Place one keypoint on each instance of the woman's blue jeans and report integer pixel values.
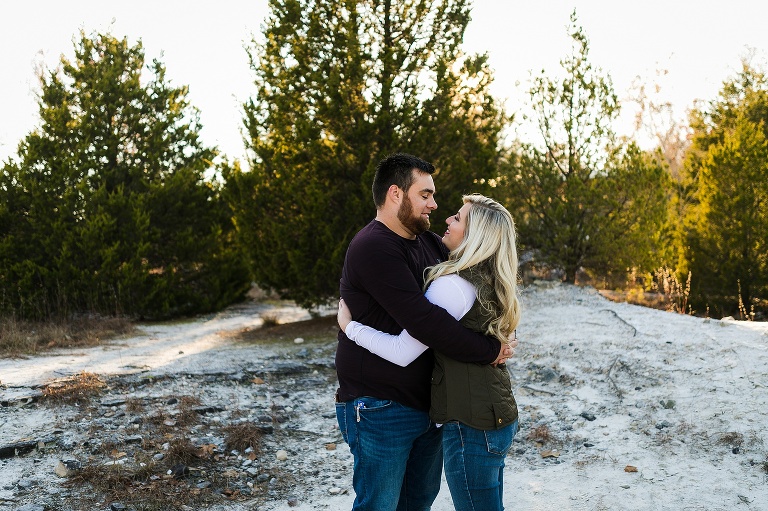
(474, 465)
(397, 454)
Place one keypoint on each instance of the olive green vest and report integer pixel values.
(477, 395)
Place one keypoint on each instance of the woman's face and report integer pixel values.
(457, 225)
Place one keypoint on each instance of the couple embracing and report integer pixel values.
(405, 410)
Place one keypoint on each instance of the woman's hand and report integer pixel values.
(344, 316)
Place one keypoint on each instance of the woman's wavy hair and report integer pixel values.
(489, 250)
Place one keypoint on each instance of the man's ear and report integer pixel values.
(395, 193)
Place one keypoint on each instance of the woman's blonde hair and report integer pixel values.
(489, 249)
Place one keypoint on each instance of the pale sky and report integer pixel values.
(700, 43)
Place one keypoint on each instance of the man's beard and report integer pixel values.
(415, 225)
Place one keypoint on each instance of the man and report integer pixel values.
(382, 408)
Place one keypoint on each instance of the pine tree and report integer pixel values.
(727, 222)
(582, 200)
(340, 85)
(111, 209)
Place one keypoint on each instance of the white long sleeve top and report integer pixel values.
(451, 292)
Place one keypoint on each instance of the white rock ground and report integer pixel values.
(681, 399)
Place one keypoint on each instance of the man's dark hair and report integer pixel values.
(396, 169)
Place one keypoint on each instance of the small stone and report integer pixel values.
(590, 417)
(17, 449)
(204, 485)
(330, 447)
(178, 471)
(281, 455)
(298, 340)
(66, 468)
(549, 374)
(202, 410)
(25, 484)
(117, 506)
(262, 478)
(113, 402)
(735, 450)
(293, 502)
(334, 491)
(668, 404)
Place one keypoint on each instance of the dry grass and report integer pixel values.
(732, 438)
(243, 436)
(77, 389)
(134, 405)
(19, 338)
(144, 487)
(181, 450)
(146, 484)
(540, 434)
(186, 417)
(269, 320)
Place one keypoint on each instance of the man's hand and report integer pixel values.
(507, 351)
(344, 316)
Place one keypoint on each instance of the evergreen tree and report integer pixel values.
(340, 85)
(581, 199)
(111, 210)
(727, 222)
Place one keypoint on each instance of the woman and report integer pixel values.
(474, 403)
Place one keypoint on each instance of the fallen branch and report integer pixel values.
(618, 390)
(534, 389)
(634, 330)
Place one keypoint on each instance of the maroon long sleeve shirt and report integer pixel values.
(382, 282)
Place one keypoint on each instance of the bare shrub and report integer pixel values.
(269, 320)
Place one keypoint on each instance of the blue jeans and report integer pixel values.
(474, 465)
(397, 451)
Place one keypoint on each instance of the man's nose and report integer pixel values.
(432, 204)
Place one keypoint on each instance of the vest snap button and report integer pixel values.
(499, 421)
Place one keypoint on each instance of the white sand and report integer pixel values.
(680, 398)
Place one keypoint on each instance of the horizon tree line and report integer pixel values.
(115, 205)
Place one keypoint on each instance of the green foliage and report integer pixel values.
(727, 243)
(581, 200)
(107, 206)
(339, 85)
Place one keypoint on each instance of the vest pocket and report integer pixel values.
(437, 375)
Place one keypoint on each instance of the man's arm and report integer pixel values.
(388, 279)
(455, 297)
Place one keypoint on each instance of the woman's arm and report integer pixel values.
(452, 293)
